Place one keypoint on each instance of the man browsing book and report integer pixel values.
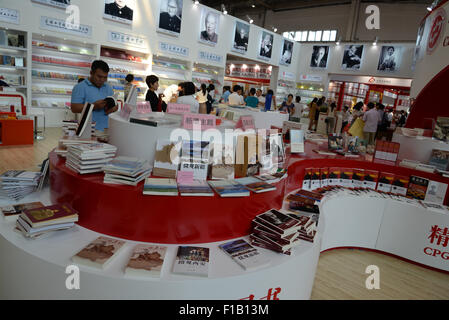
(94, 90)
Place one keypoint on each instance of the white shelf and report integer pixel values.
(60, 65)
(52, 94)
(55, 79)
(12, 48)
(118, 61)
(12, 68)
(60, 51)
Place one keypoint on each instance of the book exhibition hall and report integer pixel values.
(224, 150)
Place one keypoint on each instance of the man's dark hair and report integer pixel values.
(129, 78)
(189, 88)
(252, 91)
(227, 88)
(151, 79)
(290, 95)
(298, 98)
(381, 106)
(80, 80)
(99, 64)
(236, 88)
(270, 92)
(370, 105)
(211, 87)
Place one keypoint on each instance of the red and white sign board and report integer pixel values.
(203, 121)
(245, 123)
(437, 30)
(176, 108)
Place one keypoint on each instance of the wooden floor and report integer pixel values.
(340, 274)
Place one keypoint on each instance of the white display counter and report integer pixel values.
(35, 269)
(417, 148)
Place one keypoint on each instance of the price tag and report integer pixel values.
(175, 108)
(203, 121)
(144, 107)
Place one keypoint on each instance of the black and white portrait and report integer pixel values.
(266, 45)
(55, 3)
(241, 37)
(170, 16)
(352, 57)
(287, 52)
(389, 59)
(209, 26)
(320, 56)
(119, 10)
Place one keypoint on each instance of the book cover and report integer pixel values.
(346, 177)
(315, 179)
(146, 260)
(13, 211)
(334, 176)
(439, 159)
(222, 161)
(255, 185)
(195, 188)
(262, 243)
(335, 142)
(400, 185)
(199, 169)
(370, 179)
(296, 141)
(166, 158)
(385, 182)
(278, 221)
(160, 187)
(99, 253)
(417, 188)
(324, 172)
(436, 192)
(357, 178)
(50, 215)
(86, 117)
(229, 188)
(316, 196)
(192, 260)
(248, 257)
(306, 179)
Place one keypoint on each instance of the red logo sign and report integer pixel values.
(446, 42)
(440, 237)
(372, 80)
(271, 295)
(436, 31)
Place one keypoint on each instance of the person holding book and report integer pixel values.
(94, 90)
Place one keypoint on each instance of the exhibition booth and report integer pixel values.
(349, 197)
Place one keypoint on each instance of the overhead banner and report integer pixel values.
(59, 25)
(124, 38)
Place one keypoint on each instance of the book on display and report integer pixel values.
(385, 182)
(279, 222)
(48, 215)
(126, 170)
(258, 241)
(306, 178)
(315, 179)
(400, 185)
(417, 188)
(248, 257)
(17, 184)
(89, 158)
(86, 119)
(11, 212)
(166, 158)
(160, 187)
(99, 253)
(436, 192)
(255, 185)
(192, 260)
(296, 141)
(198, 188)
(439, 159)
(229, 188)
(31, 232)
(146, 260)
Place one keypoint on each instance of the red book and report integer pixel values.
(50, 215)
(278, 222)
(400, 185)
(357, 178)
(334, 176)
(385, 182)
(370, 179)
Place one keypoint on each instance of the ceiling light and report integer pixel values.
(429, 9)
(253, 5)
(196, 2)
(338, 42)
(249, 19)
(375, 41)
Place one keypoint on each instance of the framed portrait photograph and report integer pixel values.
(320, 57)
(54, 3)
(119, 10)
(352, 57)
(241, 37)
(170, 16)
(286, 53)
(390, 59)
(266, 45)
(209, 26)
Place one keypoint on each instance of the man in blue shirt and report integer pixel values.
(94, 90)
(226, 94)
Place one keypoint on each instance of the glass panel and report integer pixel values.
(326, 35)
(333, 35)
(304, 36)
(298, 36)
(318, 35)
(311, 36)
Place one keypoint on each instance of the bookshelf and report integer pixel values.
(284, 88)
(207, 74)
(57, 65)
(13, 59)
(309, 90)
(124, 62)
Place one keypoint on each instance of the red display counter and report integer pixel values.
(124, 212)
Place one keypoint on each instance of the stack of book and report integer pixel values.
(69, 127)
(89, 158)
(67, 141)
(276, 231)
(126, 170)
(160, 187)
(16, 184)
(275, 177)
(34, 223)
(198, 188)
(304, 201)
(256, 185)
(11, 212)
(229, 188)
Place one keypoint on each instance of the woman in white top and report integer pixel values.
(201, 96)
(188, 97)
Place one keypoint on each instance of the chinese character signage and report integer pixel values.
(124, 38)
(59, 25)
(144, 107)
(54, 3)
(9, 15)
(245, 123)
(174, 49)
(125, 112)
(212, 57)
(176, 108)
(203, 121)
